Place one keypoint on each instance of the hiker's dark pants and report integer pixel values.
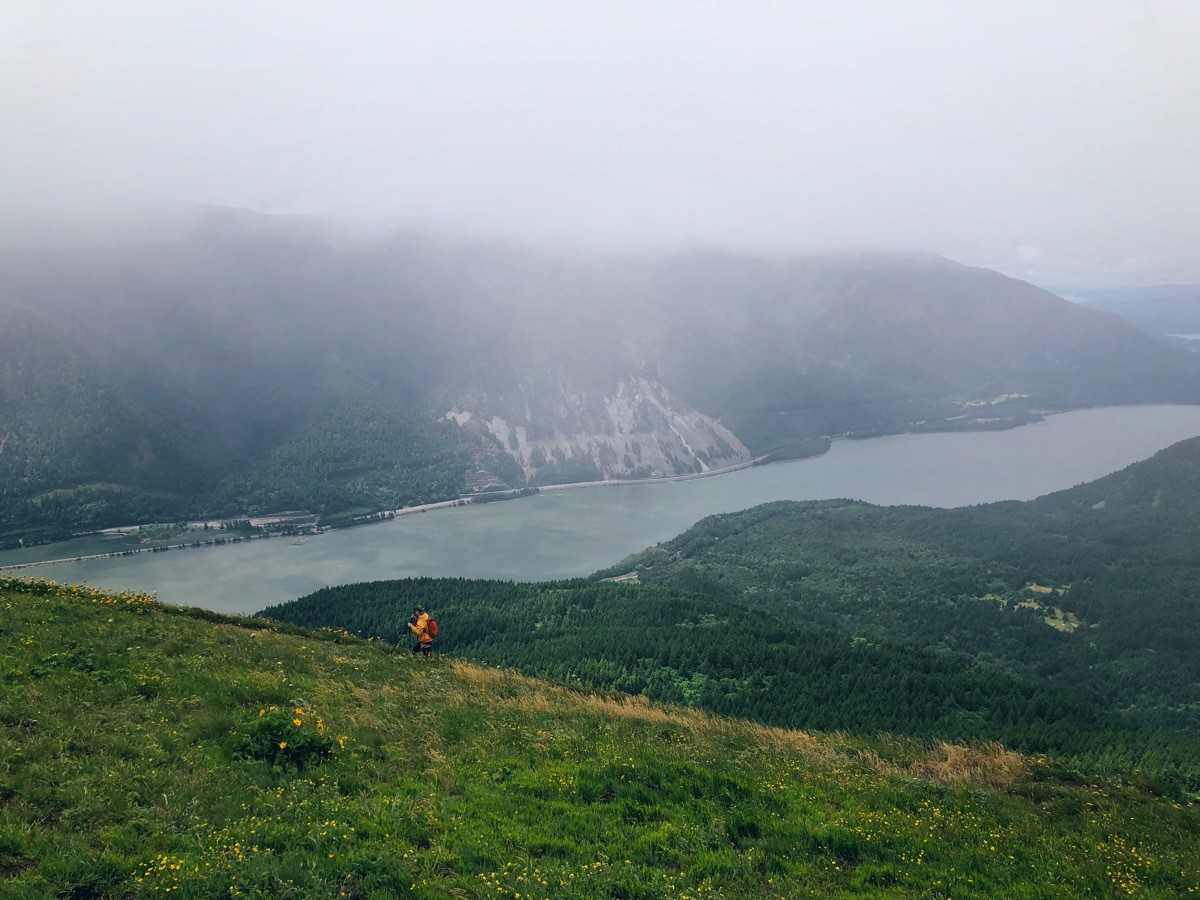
(423, 648)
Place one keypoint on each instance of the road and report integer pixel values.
(403, 511)
(662, 479)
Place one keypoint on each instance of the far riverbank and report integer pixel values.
(46, 555)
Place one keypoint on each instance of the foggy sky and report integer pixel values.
(1055, 141)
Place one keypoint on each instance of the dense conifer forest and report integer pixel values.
(1094, 589)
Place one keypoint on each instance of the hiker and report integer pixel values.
(424, 629)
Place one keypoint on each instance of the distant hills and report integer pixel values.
(1170, 309)
(221, 362)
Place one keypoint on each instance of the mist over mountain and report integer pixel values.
(219, 362)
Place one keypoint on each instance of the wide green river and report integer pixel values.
(575, 532)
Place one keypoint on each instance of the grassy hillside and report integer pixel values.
(1066, 625)
(685, 648)
(145, 748)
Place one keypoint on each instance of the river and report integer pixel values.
(575, 532)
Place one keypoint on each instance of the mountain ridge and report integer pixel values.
(219, 346)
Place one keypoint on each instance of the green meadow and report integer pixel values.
(149, 751)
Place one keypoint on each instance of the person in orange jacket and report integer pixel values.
(419, 626)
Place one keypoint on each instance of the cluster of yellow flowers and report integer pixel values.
(164, 872)
(536, 882)
(1125, 864)
(299, 714)
(546, 881)
(81, 592)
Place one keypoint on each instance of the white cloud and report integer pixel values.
(969, 129)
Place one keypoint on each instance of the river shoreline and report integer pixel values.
(386, 515)
(572, 533)
(389, 515)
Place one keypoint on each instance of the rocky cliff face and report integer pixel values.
(702, 361)
(636, 428)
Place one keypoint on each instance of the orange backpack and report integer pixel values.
(431, 628)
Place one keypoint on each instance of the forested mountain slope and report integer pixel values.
(148, 750)
(217, 361)
(875, 342)
(83, 441)
(1092, 588)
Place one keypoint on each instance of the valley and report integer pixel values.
(778, 428)
(572, 533)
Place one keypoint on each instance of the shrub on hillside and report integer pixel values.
(292, 737)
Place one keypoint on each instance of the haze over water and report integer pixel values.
(575, 532)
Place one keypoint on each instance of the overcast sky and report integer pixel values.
(1055, 140)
